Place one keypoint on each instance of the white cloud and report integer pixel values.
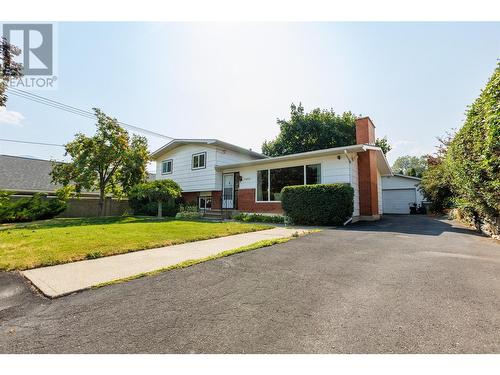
(10, 117)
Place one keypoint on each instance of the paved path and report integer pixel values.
(59, 280)
(402, 285)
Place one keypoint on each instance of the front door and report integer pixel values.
(228, 191)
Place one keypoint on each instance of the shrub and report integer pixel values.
(188, 215)
(436, 186)
(188, 207)
(323, 204)
(148, 208)
(160, 196)
(277, 219)
(36, 207)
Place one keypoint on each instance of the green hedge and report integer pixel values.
(37, 207)
(259, 218)
(324, 204)
(474, 155)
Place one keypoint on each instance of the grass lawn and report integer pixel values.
(49, 242)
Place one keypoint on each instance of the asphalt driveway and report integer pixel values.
(406, 284)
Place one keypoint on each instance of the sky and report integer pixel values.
(231, 81)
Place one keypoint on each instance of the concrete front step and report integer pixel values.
(219, 213)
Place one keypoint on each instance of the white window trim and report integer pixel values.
(198, 154)
(171, 166)
(269, 181)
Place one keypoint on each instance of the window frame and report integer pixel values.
(171, 166)
(198, 154)
(269, 180)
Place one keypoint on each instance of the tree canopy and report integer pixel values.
(410, 165)
(383, 144)
(110, 161)
(8, 67)
(316, 130)
(159, 191)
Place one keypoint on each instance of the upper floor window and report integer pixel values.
(166, 166)
(199, 160)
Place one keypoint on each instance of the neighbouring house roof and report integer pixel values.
(214, 142)
(405, 176)
(382, 163)
(24, 174)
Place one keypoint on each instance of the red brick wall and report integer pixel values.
(247, 203)
(190, 197)
(368, 184)
(365, 131)
(193, 197)
(216, 199)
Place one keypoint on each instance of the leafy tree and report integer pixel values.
(109, 161)
(383, 144)
(474, 154)
(316, 130)
(8, 67)
(436, 178)
(159, 191)
(410, 165)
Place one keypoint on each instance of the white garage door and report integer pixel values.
(397, 201)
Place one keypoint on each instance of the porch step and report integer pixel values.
(218, 214)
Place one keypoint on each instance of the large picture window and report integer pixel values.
(313, 174)
(263, 185)
(271, 181)
(282, 177)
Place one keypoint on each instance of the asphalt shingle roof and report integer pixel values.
(26, 174)
(29, 175)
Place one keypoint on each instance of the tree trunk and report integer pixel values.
(159, 209)
(102, 208)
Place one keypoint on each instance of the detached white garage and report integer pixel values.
(399, 192)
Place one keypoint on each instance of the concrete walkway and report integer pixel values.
(56, 281)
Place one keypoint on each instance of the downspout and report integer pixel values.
(349, 160)
(350, 181)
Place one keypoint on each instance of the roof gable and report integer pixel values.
(213, 142)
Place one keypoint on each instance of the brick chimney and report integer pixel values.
(365, 131)
(367, 170)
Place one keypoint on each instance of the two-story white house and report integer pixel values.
(216, 174)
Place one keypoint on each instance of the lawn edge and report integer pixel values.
(191, 262)
(266, 226)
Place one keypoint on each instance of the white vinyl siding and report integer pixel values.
(201, 179)
(190, 180)
(229, 157)
(333, 170)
